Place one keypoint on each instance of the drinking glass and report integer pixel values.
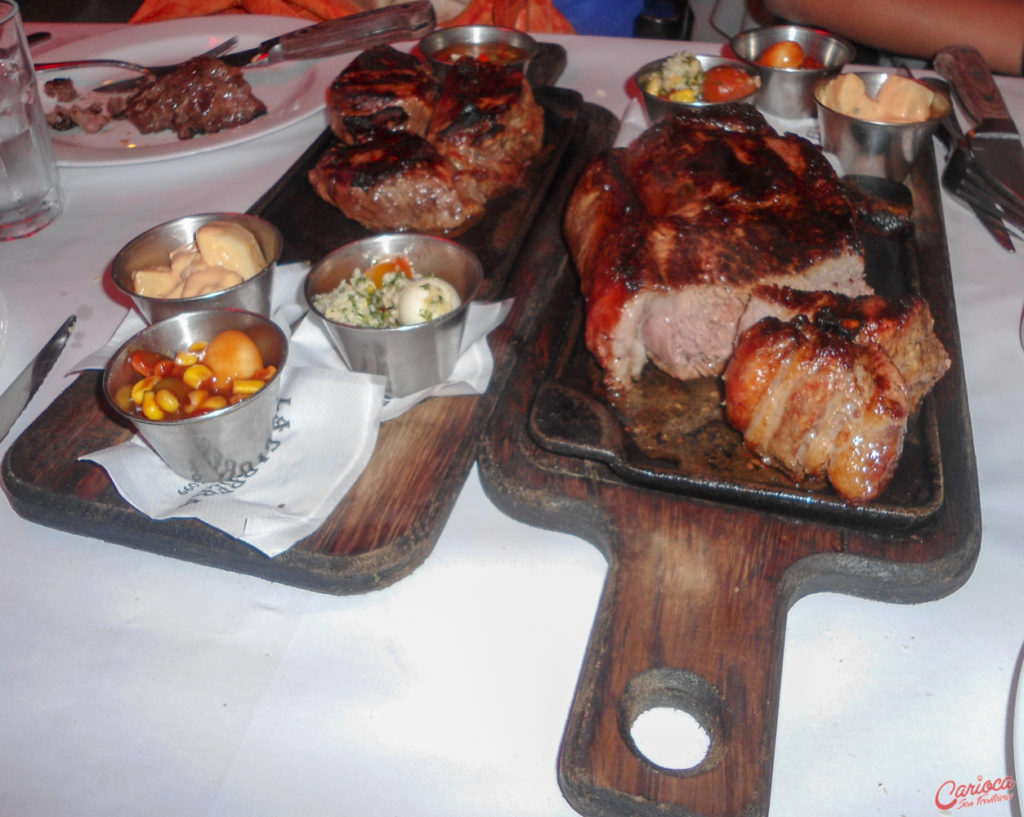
(30, 193)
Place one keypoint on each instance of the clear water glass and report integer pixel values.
(30, 192)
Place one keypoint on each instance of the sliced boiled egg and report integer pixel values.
(425, 299)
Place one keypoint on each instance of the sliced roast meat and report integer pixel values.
(670, 235)
(813, 403)
(903, 326)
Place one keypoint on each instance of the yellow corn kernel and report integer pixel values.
(214, 402)
(195, 375)
(684, 95)
(185, 358)
(198, 346)
(150, 409)
(143, 387)
(123, 398)
(195, 400)
(247, 386)
(167, 400)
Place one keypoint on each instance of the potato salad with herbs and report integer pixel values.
(387, 295)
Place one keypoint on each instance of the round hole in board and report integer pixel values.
(673, 719)
(670, 738)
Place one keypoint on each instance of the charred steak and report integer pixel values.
(203, 95)
(670, 235)
(811, 402)
(383, 90)
(398, 183)
(483, 132)
(487, 123)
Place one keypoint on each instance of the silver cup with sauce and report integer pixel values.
(154, 247)
(475, 40)
(864, 147)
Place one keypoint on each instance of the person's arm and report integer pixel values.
(919, 27)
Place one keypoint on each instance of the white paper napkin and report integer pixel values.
(314, 459)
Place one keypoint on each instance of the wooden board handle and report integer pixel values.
(971, 77)
(682, 624)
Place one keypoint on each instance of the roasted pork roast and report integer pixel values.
(670, 235)
(902, 326)
(811, 402)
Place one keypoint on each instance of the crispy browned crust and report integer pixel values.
(381, 91)
(398, 183)
(487, 123)
(815, 403)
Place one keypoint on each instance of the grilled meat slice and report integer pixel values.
(670, 235)
(398, 183)
(381, 91)
(203, 95)
(902, 326)
(814, 403)
(487, 124)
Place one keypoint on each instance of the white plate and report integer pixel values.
(290, 90)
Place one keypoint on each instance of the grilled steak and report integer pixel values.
(381, 91)
(398, 183)
(670, 235)
(902, 326)
(203, 95)
(400, 172)
(487, 123)
(814, 403)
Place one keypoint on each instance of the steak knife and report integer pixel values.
(354, 32)
(14, 400)
(994, 140)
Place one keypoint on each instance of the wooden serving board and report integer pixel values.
(389, 522)
(693, 612)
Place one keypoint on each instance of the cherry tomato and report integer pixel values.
(723, 82)
(785, 54)
(144, 361)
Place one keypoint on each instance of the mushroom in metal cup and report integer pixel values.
(412, 357)
(787, 91)
(884, 149)
(490, 43)
(153, 248)
(659, 107)
(220, 445)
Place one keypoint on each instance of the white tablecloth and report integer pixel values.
(138, 684)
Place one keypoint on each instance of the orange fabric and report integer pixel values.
(278, 8)
(153, 10)
(538, 16)
(329, 9)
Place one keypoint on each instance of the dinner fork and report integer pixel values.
(151, 70)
